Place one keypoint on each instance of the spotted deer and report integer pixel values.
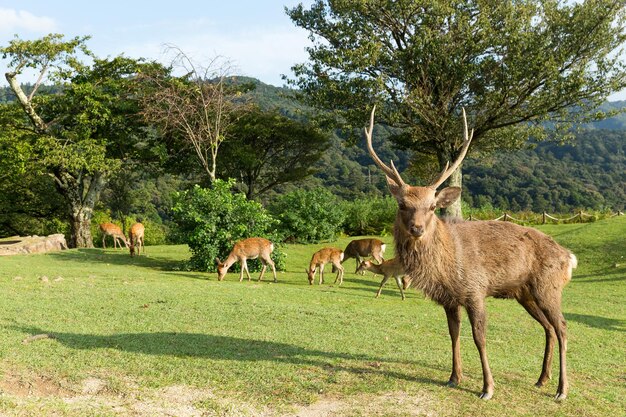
(251, 248)
(136, 238)
(459, 263)
(362, 248)
(389, 268)
(321, 258)
(113, 230)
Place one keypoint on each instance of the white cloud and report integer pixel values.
(263, 53)
(12, 20)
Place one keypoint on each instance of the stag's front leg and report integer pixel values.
(454, 328)
(478, 320)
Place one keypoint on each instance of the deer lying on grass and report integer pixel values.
(251, 248)
(136, 238)
(459, 263)
(321, 258)
(110, 229)
(362, 248)
(390, 268)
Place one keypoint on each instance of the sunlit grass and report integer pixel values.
(142, 324)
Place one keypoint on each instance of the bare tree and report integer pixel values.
(199, 106)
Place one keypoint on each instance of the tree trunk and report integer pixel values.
(454, 209)
(81, 194)
(80, 236)
(454, 180)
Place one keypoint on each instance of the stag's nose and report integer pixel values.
(417, 231)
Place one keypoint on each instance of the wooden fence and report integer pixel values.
(545, 217)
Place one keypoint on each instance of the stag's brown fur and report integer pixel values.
(458, 264)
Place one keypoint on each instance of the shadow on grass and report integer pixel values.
(231, 348)
(602, 276)
(116, 258)
(597, 321)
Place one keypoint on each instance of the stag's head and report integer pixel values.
(416, 204)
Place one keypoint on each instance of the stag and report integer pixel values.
(458, 264)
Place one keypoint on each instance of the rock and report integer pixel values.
(32, 244)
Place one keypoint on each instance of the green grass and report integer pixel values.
(159, 341)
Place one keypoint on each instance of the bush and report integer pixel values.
(212, 220)
(370, 216)
(308, 216)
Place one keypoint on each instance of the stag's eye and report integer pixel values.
(433, 207)
(402, 206)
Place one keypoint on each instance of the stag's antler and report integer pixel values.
(448, 170)
(390, 172)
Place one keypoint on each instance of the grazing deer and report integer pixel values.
(136, 238)
(362, 248)
(251, 248)
(110, 229)
(321, 258)
(390, 268)
(458, 264)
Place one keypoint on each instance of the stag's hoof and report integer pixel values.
(560, 397)
(486, 395)
(452, 384)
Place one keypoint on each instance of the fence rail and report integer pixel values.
(545, 217)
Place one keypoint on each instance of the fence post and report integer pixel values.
(505, 216)
(543, 218)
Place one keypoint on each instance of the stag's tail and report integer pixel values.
(573, 263)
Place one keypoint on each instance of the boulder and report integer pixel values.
(32, 244)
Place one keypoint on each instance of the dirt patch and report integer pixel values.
(31, 385)
(388, 404)
(94, 395)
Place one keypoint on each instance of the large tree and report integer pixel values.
(82, 133)
(512, 65)
(267, 149)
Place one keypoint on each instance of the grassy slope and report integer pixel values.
(140, 325)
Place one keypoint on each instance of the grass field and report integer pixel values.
(140, 337)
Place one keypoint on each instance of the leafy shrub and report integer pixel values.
(369, 216)
(212, 220)
(308, 216)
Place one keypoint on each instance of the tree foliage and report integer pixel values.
(267, 149)
(82, 133)
(308, 216)
(212, 220)
(511, 64)
(198, 107)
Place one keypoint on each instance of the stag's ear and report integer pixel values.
(447, 196)
(395, 189)
(217, 260)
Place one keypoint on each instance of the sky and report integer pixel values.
(256, 36)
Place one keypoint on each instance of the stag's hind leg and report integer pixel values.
(552, 311)
(533, 309)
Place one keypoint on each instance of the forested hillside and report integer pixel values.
(589, 172)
